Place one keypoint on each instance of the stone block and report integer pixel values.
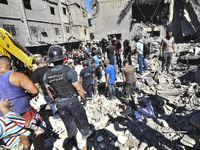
(187, 141)
(122, 139)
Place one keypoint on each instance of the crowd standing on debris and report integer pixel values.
(72, 79)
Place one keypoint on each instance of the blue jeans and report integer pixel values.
(111, 90)
(141, 62)
(48, 100)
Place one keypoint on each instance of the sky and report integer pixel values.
(88, 5)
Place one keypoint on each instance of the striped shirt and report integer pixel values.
(11, 127)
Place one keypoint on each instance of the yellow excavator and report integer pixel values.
(22, 58)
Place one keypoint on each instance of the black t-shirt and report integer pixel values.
(86, 74)
(38, 77)
(110, 50)
(127, 48)
(77, 59)
(94, 68)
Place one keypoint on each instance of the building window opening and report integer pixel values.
(85, 31)
(57, 31)
(11, 29)
(67, 30)
(64, 11)
(90, 22)
(154, 33)
(4, 2)
(91, 36)
(52, 10)
(33, 30)
(27, 4)
(150, 12)
(118, 36)
(84, 14)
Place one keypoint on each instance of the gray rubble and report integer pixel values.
(175, 98)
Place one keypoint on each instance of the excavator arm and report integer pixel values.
(9, 46)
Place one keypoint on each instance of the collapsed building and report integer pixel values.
(38, 24)
(123, 20)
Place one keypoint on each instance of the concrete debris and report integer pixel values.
(175, 99)
(187, 141)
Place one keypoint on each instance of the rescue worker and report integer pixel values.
(86, 77)
(129, 79)
(63, 80)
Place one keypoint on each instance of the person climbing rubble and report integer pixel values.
(140, 53)
(63, 81)
(86, 77)
(110, 73)
(129, 79)
(167, 48)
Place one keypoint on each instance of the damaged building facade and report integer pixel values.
(127, 17)
(39, 23)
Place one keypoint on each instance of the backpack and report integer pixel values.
(146, 49)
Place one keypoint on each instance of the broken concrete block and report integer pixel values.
(163, 123)
(187, 141)
(150, 81)
(122, 139)
(143, 146)
(197, 51)
(174, 92)
(162, 80)
(96, 115)
(195, 121)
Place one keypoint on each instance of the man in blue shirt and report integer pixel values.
(110, 72)
(139, 50)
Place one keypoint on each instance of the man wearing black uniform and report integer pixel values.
(38, 81)
(127, 49)
(129, 79)
(66, 86)
(110, 49)
(86, 77)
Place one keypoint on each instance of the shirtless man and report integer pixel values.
(12, 87)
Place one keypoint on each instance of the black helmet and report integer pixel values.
(85, 63)
(55, 53)
(137, 38)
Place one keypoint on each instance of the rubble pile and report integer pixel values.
(175, 102)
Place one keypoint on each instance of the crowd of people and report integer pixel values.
(70, 80)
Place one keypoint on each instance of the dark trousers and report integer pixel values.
(129, 89)
(95, 88)
(126, 56)
(118, 59)
(87, 86)
(111, 59)
(98, 72)
(73, 116)
(167, 58)
(111, 90)
(141, 62)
